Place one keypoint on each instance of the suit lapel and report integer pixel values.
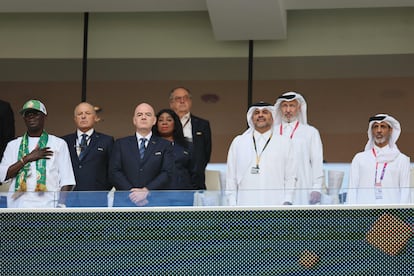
(72, 146)
(134, 145)
(194, 127)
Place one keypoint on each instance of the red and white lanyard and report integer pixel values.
(293, 131)
(376, 169)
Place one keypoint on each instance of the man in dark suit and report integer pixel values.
(90, 152)
(196, 130)
(141, 162)
(7, 131)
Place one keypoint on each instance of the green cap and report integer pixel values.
(34, 104)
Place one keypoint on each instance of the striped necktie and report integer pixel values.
(83, 144)
(142, 147)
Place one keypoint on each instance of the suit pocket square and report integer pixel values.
(100, 149)
(199, 133)
(158, 153)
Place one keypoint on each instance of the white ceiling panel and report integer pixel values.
(230, 19)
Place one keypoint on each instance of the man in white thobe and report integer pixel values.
(261, 169)
(291, 122)
(381, 173)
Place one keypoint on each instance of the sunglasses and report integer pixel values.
(32, 112)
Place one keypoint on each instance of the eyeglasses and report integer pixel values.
(178, 99)
(32, 112)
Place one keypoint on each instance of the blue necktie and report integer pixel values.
(83, 144)
(142, 147)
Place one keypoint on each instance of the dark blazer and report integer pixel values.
(7, 130)
(91, 173)
(127, 170)
(183, 169)
(201, 149)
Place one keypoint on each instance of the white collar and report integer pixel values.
(378, 149)
(139, 136)
(289, 124)
(186, 117)
(265, 135)
(89, 132)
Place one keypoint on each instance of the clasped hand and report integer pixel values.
(139, 196)
(315, 197)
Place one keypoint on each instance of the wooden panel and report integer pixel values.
(339, 108)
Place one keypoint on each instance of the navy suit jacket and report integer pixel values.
(91, 173)
(183, 170)
(154, 171)
(201, 149)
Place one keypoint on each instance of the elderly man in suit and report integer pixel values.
(89, 152)
(141, 162)
(196, 130)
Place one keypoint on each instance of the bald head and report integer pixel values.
(144, 118)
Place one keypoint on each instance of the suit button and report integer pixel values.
(140, 170)
(80, 166)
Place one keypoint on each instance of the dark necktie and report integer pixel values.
(142, 147)
(83, 144)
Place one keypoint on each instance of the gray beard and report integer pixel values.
(286, 120)
(380, 140)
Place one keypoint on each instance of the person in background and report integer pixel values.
(381, 173)
(291, 122)
(261, 169)
(196, 130)
(90, 152)
(37, 164)
(7, 128)
(141, 162)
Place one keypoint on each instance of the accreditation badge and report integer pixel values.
(378, 191)
(255, 170)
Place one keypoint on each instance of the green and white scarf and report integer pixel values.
(21, 185)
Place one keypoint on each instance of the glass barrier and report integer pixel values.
(179, 198)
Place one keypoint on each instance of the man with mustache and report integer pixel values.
(291, 122)
(261, 169)
(381, 173)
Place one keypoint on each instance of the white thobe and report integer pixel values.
(308, 150)
(395, 185)
(276, 180)
(59, 173)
